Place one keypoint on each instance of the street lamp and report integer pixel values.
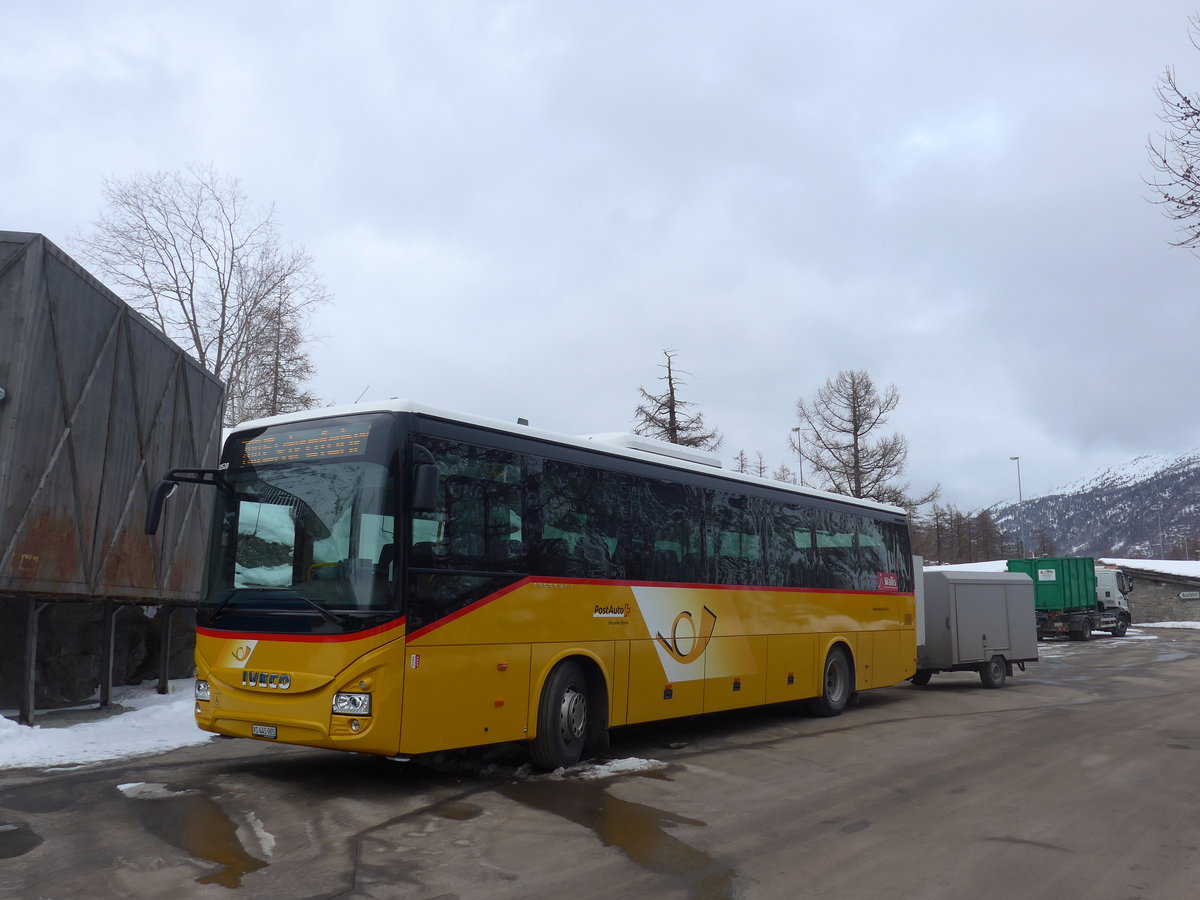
(1020, 510)
(799, 455)
(1161, 553)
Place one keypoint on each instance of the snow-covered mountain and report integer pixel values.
(1148, 507)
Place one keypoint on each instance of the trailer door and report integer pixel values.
(981, 615)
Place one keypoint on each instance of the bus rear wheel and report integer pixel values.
(836, 685)
(562, 718)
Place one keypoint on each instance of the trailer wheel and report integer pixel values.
(1122, 627)
(994, 672)
(838, 684)
(562, 718)
(921, 676)
(1085, 630)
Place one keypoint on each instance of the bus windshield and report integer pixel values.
(313, 537)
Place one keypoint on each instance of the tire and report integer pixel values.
(562, 718)
(1122, 627)
(837, 685)
(994, 672)
(1085, 630)
(921, 677)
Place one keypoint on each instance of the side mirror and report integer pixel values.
(158, 495)
(165, 488)
(425, 487)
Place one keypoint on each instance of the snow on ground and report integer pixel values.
(147, 723)
(593, 771)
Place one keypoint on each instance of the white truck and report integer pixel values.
(1113, 586)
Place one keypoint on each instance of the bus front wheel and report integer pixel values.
(562, 718)
(837, 685)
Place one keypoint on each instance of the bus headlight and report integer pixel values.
(352, 704)
(202, 690)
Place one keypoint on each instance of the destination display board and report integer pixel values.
(306, 444)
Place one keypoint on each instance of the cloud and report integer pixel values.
(519, 205)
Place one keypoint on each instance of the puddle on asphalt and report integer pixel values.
(637, 830)
(459, 812)
(39, 798)
(197, 825)
(17, 840)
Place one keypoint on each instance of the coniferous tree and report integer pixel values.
(760, 466)
(838, 437)
(667, 416)
(1175, 157)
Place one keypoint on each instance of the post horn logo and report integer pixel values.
(242, 653)
(699, 637)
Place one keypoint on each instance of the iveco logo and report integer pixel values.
(267, 680)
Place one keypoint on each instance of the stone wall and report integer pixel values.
(71, 649)
(1155, 598)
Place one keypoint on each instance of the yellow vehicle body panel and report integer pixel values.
(316, 667)
(475, 677)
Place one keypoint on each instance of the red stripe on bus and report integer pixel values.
(301, 638)
(533, 579)
(458, 614)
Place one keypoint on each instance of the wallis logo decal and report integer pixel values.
(678, 646)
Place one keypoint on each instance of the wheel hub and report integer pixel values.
(835, 681)
(572, 715)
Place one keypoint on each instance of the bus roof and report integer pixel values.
(617, 444)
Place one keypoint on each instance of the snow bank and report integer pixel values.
(151, 723)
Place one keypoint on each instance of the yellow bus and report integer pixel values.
(397, 579)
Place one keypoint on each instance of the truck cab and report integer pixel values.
(1112, 588)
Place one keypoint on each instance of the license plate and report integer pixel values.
(264, 731)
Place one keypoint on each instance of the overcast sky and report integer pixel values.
(518, 206)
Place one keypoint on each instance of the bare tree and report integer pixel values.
(741, 462)
(837, 438)
(214, 277)
(665, 416)
(783, 473)
(1175, 157)
(760, 465)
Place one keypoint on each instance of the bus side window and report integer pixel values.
(789, 546)
(479, 521)
(873, 558)
(898, 553)
(836, 552)
(664, 531)
(582, 513)
(736, 540)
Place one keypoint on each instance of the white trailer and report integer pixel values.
(976, 622)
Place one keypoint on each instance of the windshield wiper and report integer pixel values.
(326, 614)
(225, 601)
